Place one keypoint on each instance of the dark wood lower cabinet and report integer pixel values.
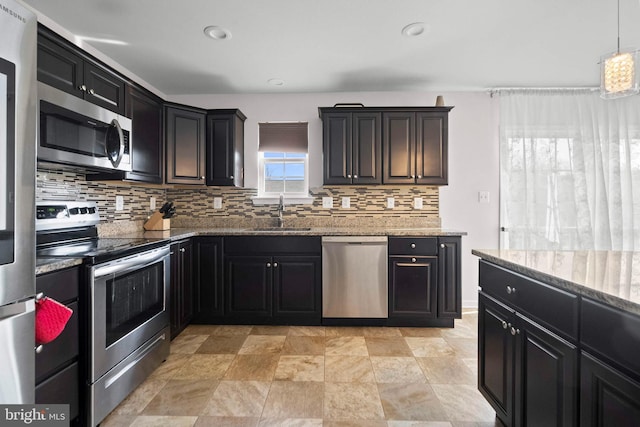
(181, 289)
(528, 374)
(248, 288)
(297, 293)
(208, 288)
(608, 398)
(412, 287)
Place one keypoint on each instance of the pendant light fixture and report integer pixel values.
(618, 71)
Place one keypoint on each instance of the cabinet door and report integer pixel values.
(185, 139)
(399, 147)
(104, 88)
(366, 148)
(449, 280)
(412, 287)
(186, 285)
(225, 149)
(336, 134)
(59, 67)
(546, 377)
(145, 112)
(431, 148)
(248, 287)
(62, 388)
(608, 398)
(495, 356)
(175, 294)
(208, 285)
(297, 288)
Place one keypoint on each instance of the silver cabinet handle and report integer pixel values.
(511, 290)
(413, 246)
(202, 177)
(348, 175)
(39, 296)
(413, 260)
(442, 245)
(231, 177)
(504, 324)
(413, 176)
(39, 349)
(82, 88)
(355, 176)
(268, 265)
(515, 331)
(275, 264)
(419, 176)
(182, 250)
(92, 92)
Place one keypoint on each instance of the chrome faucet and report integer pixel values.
(280, 211)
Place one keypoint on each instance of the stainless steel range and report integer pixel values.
(125, 302)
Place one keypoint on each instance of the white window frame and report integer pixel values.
(269, 198)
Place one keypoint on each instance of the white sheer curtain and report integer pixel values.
(569, 170)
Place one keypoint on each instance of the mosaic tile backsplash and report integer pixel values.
(195, 205)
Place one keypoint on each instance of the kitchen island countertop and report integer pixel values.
(611, 277)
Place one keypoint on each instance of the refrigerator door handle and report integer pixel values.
(11, 310)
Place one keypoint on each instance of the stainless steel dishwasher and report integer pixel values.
(354, 277)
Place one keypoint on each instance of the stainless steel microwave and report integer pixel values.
(82, 135)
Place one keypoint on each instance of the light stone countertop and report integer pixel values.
(48, 265)
(611, 277)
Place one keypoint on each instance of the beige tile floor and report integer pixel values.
(314, 376)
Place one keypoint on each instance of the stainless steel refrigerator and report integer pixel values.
(18, 33)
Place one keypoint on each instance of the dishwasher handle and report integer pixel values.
(354, 240)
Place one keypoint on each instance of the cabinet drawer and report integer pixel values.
(62, 388)
(413, 246)
(60, 285)
(272, 245)
(549, 306)
(60, 350)
(611, 333)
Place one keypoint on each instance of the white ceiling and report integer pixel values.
(352, 45)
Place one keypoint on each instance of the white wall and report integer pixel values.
(473, 154)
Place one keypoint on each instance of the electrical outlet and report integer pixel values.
(152, 204)
(327, 202)
(483, 197)
(417, 203)
(119, 203)
(391, 203)
(346, 202)
(217, 203)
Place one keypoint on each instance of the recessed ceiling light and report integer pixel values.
(276, 82)
(217, 33)
(413, 30)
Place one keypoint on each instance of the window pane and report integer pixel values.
(271, 186)
(292, 170)
(268, 155)
(295, 155)
(274, 170)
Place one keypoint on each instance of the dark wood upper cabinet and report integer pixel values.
(66, 67)
(185, 145)
(351, 146)
(385, 145)
(225, 148)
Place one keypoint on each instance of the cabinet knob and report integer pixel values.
(413, 176)
(182, 250)
(413, 260)
(275, 264)
(202, 177)
(504, 325)
(39, 349)
(511, 290)
(419, 176)
(349, 176)
(92, 92)
(515, 331)
(442, 245)
(413, 246)
(355, 176)
(82, 88)
(231, 177)
(268, 265)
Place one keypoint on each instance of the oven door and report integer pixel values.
(129, 306)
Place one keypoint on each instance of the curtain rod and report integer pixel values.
(497, 90)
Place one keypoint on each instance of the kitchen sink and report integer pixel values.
(276, 229)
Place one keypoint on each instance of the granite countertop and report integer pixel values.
(47, 265)
(611, 277)
(184, 233)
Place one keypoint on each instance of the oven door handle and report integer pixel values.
(131, 263)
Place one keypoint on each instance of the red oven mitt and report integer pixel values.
(51, 318)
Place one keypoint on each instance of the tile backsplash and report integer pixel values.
(195, 206)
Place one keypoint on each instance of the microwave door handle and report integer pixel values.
(114, 126)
